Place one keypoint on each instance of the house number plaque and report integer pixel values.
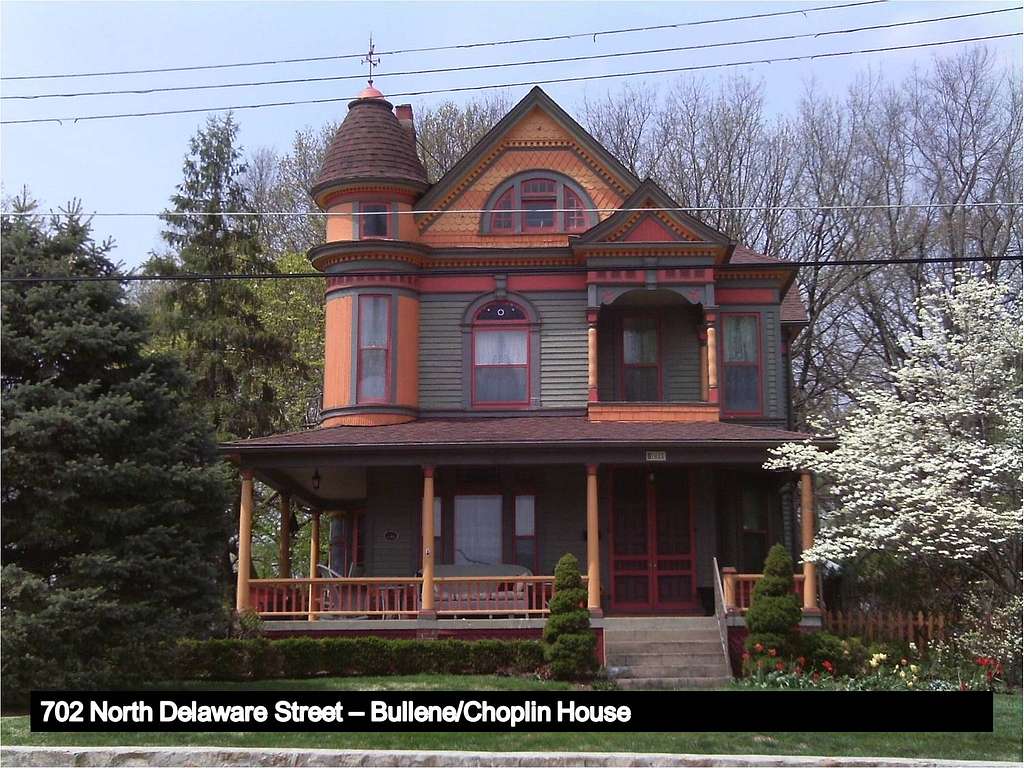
(655, 456)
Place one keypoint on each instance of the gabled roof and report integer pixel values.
(649, 195)
(535, 98)
(792, 309)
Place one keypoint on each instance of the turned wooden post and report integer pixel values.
(807, 540)
(314, 560)
(712, 358)
(284, 565)
(427, 563)
(593, 544)
(729, 587)
(242, 597)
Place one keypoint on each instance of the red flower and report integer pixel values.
(801, 660)
(827, 665)
(758, 647)
(815, 677)
(904, 662)
(981, 661)
(771, 652)
(779, 666)
(746, 656)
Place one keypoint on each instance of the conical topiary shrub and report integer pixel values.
(775, 612)
(569, 645)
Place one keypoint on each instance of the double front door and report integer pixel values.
(652, 542)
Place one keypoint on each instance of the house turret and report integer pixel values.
(369, 182)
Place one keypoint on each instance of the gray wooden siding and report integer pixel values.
(440, 363)
(561, 517)
(563, 349)
(680, 358)
(393, 503)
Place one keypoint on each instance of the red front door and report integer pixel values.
(652, 548)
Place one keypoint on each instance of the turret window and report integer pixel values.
(531, 204)
(374, 220)
(374, 349)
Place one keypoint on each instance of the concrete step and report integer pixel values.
(670, 671)
(661, 622)
(673, 683)
(677, 635)
(647, 659)
(664, 647)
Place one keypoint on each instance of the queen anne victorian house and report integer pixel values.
(538, 354)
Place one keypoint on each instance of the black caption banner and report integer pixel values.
(509, 711)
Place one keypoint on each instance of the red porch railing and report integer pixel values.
(399, 598)
(739, 588)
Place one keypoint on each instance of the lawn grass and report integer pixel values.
(1003, 744)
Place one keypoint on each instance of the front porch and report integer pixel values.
(476, 539)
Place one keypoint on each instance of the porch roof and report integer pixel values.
(521, 431)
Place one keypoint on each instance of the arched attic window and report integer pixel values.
(538, 202)
(501, 355)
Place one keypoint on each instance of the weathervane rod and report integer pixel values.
(371, 60)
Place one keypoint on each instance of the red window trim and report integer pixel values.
(522, 326)
(388, 213)
(758, 365)
(622, 354)
(558, 218)
(360, 400)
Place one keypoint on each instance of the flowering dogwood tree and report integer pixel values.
(929, 471)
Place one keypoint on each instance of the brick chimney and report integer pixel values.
(404, 114)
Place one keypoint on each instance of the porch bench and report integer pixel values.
(488, 594)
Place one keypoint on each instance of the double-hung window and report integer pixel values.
(374, 349)
(524, 546)
(374, 220)
(741, 363)
(501, 355)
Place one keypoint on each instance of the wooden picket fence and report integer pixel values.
(920, 628)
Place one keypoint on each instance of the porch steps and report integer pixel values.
(665, 652)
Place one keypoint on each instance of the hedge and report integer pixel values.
(341, 657)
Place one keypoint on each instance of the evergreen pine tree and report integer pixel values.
(112, 496)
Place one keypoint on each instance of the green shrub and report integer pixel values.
(818, 647)
(239, 659)
(775, 612)
(569, 644)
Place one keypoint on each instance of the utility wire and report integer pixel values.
(439, 211)
(504, 65)
(539, 270)
(462, 89)
(461, 46)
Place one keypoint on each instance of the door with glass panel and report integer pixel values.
(652, 544)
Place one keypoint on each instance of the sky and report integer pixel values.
(133, 164)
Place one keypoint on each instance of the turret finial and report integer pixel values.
(371, 60)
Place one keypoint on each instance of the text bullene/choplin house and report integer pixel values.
(534, 355)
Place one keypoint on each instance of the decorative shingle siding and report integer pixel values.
(440, 362)
(563, 349)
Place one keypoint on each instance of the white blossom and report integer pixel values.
(931, 468)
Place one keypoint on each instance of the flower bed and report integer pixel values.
(828, 662)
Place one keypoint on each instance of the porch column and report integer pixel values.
(284, 565)
(807, 540)
(712, 356)
(314, 560)
(593, 545)
(427, 596)
(592, 356)
(244, 543)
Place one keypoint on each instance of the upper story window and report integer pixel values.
(374, 349)
(539, 202)
(375, 220)
(741, 363)
(501, 356)
(641, 361)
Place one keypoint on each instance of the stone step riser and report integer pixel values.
(669, 670)
(663, 635)
(662, 623)
(639, 646)
(656, 659)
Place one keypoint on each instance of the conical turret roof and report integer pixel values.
(371, 145)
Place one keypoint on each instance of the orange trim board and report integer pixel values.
(676, 412)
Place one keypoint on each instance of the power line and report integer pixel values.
(539, 270)
(445, 211)
(460, 46)
(462, 89)
(504, 65)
